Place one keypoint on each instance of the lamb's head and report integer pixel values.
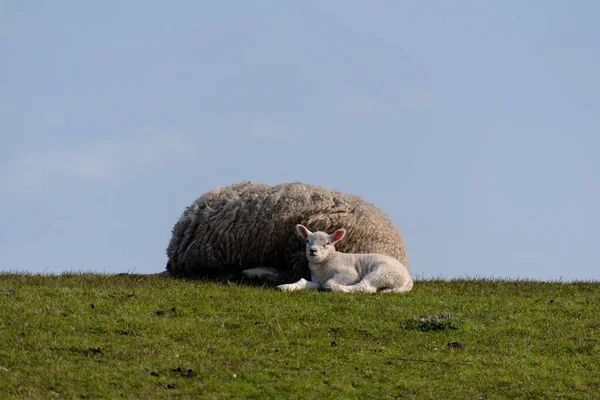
(319, 245)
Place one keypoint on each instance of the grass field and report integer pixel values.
(99, 336)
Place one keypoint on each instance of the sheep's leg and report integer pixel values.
(166, 274)
(300, 285)
(263, 273)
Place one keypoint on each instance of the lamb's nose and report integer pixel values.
(312, 252)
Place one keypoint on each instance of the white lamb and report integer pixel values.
(345, 272)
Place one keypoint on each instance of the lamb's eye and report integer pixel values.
(327, 244)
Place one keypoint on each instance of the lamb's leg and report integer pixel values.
(360, 287)
(390, 279)
(395, 290)
(402, 289)
(300, 285)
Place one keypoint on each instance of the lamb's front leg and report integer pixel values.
(300, 285)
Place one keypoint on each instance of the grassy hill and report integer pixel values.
(98, 336)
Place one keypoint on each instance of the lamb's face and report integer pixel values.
(319, 246)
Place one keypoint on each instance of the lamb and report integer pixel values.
(344, 272)
(246, 231)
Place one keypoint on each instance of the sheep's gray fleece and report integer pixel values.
(240, 229)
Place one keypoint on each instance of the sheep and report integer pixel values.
(245, 231)
(345, 272)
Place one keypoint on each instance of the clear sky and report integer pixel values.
(474, 125)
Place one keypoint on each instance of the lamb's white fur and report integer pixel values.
(346, 272)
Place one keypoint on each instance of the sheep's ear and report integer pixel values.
(338, 235)
(302, 231)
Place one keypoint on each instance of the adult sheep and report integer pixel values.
(248, 229)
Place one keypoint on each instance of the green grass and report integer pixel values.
(98, 336)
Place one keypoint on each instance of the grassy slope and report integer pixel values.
(146, 337)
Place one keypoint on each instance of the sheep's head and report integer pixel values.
(319, 245)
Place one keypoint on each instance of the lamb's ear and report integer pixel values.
(338, 235)
(302, 231)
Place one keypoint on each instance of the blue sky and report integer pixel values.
(474, 125)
